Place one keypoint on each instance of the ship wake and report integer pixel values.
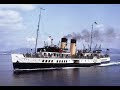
(110, 64)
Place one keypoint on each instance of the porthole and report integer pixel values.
(42, 60)
(44, 54)
(46, 61)
(48, 54)
(54, 54)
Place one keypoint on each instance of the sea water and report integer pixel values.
(101, 75)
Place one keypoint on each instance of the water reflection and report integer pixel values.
(49, 77)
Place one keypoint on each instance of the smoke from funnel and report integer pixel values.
(98, 35)
(110, 34)
(74, 35)
(85, 35)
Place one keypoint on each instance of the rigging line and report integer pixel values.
(38, 28)
(43, 28)
(91, 38)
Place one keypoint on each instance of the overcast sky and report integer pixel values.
(18, 23)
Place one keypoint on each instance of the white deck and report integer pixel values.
(21, 59)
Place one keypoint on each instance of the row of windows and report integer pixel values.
(47, 60)
(85, 60)
(54, 54)
(61, 61)
(58, 61)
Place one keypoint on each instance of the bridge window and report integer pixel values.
(48, 54)
(44, 54)
(62, 55)
(54, 54)
(66, 56)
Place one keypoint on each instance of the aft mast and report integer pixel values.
(38, 30)
(91, 36)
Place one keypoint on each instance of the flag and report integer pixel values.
(95, 22)
(49, 36)
(42, 8)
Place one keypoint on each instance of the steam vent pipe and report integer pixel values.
(73, 47)
(63, 43)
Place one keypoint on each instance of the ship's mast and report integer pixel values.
(38, 29)
(91, 36)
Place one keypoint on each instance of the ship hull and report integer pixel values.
(105, 62)
(20, 62)
(47, 65)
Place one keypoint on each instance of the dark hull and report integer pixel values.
(49, 65)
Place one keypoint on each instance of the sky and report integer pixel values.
(18, 24)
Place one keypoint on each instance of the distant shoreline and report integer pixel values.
(28, 50)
